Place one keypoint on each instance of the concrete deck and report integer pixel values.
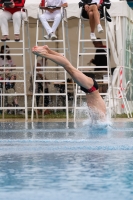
(61, 120)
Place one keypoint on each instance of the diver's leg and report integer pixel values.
(77, 75)
(92, 21)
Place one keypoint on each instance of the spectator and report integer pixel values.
(15, 104)
(52, 12)
(99, 59)
(1, 83)
(10, 85)
(9, 88)
(11, 101)
(91, 8)
(5, 59)
(12, 11)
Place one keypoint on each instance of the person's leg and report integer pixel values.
(37, 103)
(92, 21)
(17, 23)
(57, 19)
(77, 75)
(94, 9)
(46, 98)
(37, 100)
(92, 25)
(44, 18)
(4, 17)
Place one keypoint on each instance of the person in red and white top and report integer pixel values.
(12, 11)
(94, 17)
(52, 12)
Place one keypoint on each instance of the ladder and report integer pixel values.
(19, 50)
(56, 75)
(83, 51)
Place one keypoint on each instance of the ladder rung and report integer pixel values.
(15, 54)
(98, 67)
(50, 107)
(59, 48)
(93, 53)
(11, 68)
(57, 81)
(80, 108)
(50, 94)
(82, 94)
(85, 40)
(95, 72)
(45, 71)
(70, 107)
(50, 41)
(18, 49)
(13, 41)
(12, 72)
(38, 81)
(12, 108)
(49, 67)
(13, 94)
(90, 48)
(102, 80)
(11, 81)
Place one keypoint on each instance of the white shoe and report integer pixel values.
(46, 37)
(99, 28)
(92, 36)
(53, 36)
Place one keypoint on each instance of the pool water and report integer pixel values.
(41, 161)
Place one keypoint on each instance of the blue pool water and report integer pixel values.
(41, 161)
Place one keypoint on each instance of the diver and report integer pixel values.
(87, 84)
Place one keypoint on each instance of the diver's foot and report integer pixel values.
(47, 48)
(39, 48)
(39, 51)
(44, 48)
